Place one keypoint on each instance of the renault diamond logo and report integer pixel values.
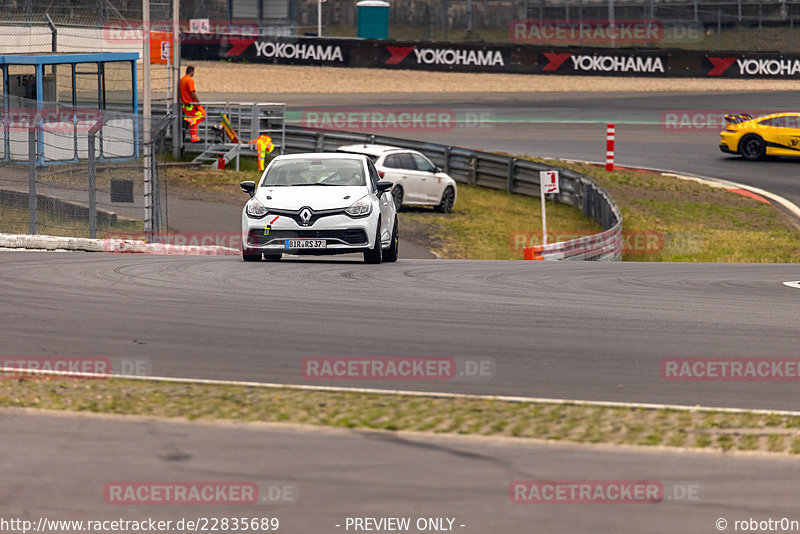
(305, 215)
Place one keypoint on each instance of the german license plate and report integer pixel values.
(305, 243)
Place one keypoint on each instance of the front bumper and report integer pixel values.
(724, 148)
(263, 238)
(342, 234)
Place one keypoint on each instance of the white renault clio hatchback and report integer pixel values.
(415, 180)
(319, 204)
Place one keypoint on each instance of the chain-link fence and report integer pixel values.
(104, 191)
(742, 25)
(87, 26)
(72, 163)
(115, 25)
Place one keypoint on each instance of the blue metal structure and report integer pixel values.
(24, 98)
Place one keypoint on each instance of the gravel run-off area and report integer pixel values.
(219, 77)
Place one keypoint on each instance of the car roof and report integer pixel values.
(320, 155)
(370, 150)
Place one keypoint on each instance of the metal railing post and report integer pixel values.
(33, 157)
(53, 34)
(155, 212)
(510, 180)
(473, 170)
(283, 128)
(177, 135)
(92, 186)
(255, 121)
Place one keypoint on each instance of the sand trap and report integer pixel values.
(218, 77)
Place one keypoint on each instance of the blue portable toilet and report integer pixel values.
(373, 19)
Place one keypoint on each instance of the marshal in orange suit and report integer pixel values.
(193, 112)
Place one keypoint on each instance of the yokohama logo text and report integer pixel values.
(650, 64)
(769, 67)
(449, 56)
(299, 51)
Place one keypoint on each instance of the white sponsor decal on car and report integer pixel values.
(449, 56)
(769, 67)
(299, 51)
(617, 63)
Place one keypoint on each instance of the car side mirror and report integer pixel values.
(437, 169)
(384, 186)
(248, 187)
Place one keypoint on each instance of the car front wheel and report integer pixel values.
(752, 147)
(374, 255)
(390, 254)
(448, 199)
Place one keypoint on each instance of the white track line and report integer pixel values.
(793, 284)
(404, 393)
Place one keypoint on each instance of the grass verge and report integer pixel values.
(664, 219)
(492, 225)
(221, 185)
(558, 422)
(695, 222)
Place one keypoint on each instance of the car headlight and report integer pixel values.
(256, 209)
(360, 208)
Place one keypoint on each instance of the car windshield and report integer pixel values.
(315, 171)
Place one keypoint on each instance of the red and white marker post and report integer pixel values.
(610, 132)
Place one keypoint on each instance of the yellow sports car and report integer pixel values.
(771, 135)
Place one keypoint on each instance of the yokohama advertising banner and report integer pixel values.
(604, 62)
(752, 66)
(480, 57)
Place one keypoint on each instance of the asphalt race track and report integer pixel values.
(572, 126)
(340, 474)
(595, 331)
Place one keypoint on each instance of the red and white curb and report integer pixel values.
(113, 246)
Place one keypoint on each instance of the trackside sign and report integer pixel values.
(310, 52)
(423, 56)
(748, 67)
(598, 63)
(517, 58)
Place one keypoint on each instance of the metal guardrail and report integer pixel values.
(497, 171)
